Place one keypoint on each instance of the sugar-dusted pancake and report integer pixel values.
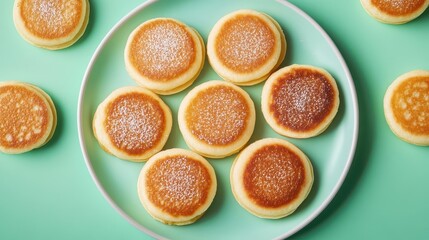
(27, 117)
(300, 101)
(271, 177)
(245, 46)
(216, 119)
(51, 24)
(395, 11)
(177, 186)
(406, 107)
(164, 55)
(132, 123)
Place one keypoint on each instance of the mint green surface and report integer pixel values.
(49, 194)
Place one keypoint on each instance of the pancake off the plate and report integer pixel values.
(27, 117)
(132, 123)
(271, 177)
(177, 186)
(51, 24)
(406, 107)
(164, 55)
(300, 101)
(395, 11)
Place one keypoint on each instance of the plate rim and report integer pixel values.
(293, 230)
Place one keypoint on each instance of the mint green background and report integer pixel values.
(49, 194)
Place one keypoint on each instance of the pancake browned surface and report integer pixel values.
(177, 186)
(245, 46)
(51, 24)
(132, 123)
(27, 117)
(406, 107)
(216, 119)
(300, 101)
(271, 177)
(164, 55)
(395, 11)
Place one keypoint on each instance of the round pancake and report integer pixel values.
(27, 117)
(177, 186)
(216, 119)
(245, 46)
(132, 123)
(406, 107)
(164, 55)
(395, 11)
(300, 101)
(271, 177)
(51, 24)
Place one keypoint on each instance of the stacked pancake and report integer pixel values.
(216, 119)
(51, 24)
(164, 55)
(406, 107)
(27, 117)
(300, 101)
(271, 177)
(177, 186)
(395, 11)
(245, 47)
(132, 123)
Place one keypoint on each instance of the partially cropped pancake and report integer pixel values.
(177, 186)
(300, 101)
(27, 117)
(245, 46)
(406, 107)
(164, 55)
(395, 11)
(216, 119)
(132, 123)
(51, 24)
(271, 177)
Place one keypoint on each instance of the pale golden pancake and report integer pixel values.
(177, 186)
(300, 101)
(216, 119)
(395, 11)
(132, 123)
(406, 107)
(271, 177)
(164, 55)
(245, 46)
(27, 117)
(51, 24)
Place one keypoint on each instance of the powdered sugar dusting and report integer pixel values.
(178, 185)
(398, 7)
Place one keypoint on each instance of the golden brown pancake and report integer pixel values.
(132, 123)
(177, 186)
(271, 177)
(406, 107)
(300, 101)
(245, 46)
(395, 11)
(51, 24)
(216, 119)
(27, 117)
(164, 55)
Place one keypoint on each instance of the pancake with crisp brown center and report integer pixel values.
(395, 11)
(216, 119)
(164, 55)
(132, 123)
(51, 24)
(27, 117)
(245, 46)
(271, 177)
(406, 107)
(300, 101)
(177, 186)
